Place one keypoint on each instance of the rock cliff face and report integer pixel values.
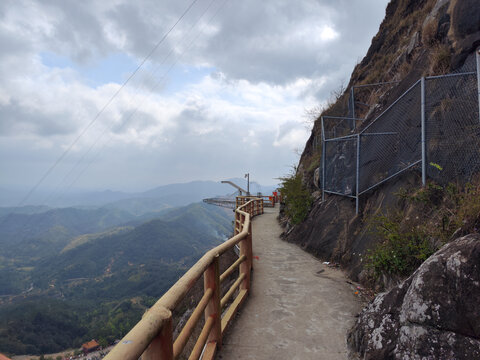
(431, 315)
(434, 313)
(417, 38)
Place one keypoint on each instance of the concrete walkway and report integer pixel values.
(298, 307)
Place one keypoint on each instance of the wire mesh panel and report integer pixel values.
(340, 166)
(452, 128)
(392, 142)
(338, 126)
(367, 96)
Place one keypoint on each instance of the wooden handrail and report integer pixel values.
(184, 335)
(152, 336)
(202, 339)
(232, 267)
(230, 292)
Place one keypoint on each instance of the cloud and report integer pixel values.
(224, 94)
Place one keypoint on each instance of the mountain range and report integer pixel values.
(179, 194)
(70, 274)
(89, 265)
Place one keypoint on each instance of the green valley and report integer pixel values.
(71, 286)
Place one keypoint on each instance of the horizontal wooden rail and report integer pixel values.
(230, 292)
(151, 337)
(232, 267)
(202, 339)
(187, 330)
(228, 316)
(269, 201)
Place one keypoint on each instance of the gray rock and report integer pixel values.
(414, 43)
(434, 314)
(316, 178)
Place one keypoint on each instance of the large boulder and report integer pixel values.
(434, 314)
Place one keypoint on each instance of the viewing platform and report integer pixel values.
(298, 307)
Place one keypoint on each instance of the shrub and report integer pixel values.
(399, 252)
(296, 197)
(467, 215)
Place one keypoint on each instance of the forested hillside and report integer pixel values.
(71, 289)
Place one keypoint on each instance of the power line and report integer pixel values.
(55, 164)
(99, 137)
(162, 78)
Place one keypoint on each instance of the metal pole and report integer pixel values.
(352, 95)
(358, 173)
(323, 161)
(424, 150)
(478, 79)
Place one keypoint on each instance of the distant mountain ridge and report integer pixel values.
(179, 194)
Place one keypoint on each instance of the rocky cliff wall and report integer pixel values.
(416, 38)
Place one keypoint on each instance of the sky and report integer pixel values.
(129, 95)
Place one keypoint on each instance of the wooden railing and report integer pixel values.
(268, 201)
(242, 200)
(152, 336)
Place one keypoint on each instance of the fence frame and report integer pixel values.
(358, 135)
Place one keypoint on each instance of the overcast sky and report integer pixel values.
(224, 93)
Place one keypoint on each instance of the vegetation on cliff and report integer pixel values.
(435, 216)
(296, 197)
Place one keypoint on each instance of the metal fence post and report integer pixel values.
(323, 160)
(358, 172)
(352, 95)
(424, 150)
(477, 55)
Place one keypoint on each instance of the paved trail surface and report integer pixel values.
(298, 307)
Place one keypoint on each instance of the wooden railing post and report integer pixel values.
(246, 266)
(211, 280)
(236, 227)
(161, 348)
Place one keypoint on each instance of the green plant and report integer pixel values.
(436, 166)
(432, 194)
(467, 215)
(314, 161)
(296, 197)
(399, 252)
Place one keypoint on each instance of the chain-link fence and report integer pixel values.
(392, 142)
(452, 126)
(435, 124)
